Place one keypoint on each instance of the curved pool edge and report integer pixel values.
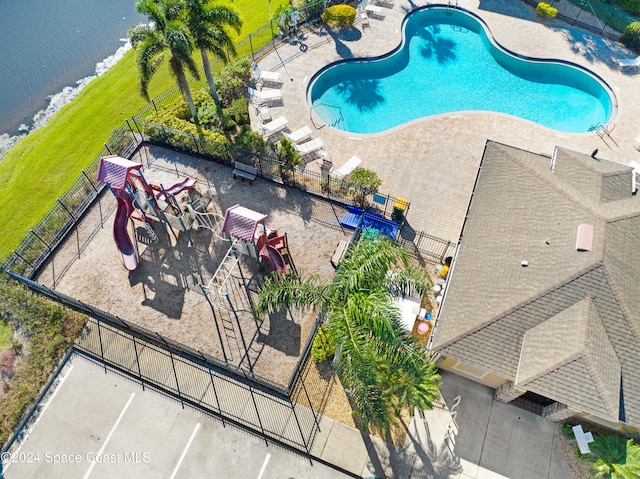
(489, 34)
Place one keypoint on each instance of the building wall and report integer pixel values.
(470, 372)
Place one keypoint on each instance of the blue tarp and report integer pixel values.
(358, 217)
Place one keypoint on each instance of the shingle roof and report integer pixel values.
(527, 207)
(572, 342)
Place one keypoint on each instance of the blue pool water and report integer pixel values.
(448, 62)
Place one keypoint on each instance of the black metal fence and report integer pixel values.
(286, 414)
(318, 183)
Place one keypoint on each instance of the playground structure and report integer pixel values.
(227, 292)
(138, 199)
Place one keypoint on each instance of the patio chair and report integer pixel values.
(364, 20)
(346, 169)
(309, 147)
(263, 112)
(266, 76)
(274, 126)
(264, 96)
(628, 63)
(375, 11)
(299, 135)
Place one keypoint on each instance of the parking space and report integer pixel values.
(99, 424)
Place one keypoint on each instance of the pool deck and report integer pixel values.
(433, 161)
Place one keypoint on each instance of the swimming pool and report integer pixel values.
(449, 62)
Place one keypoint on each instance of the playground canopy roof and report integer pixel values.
(114, 170)
(241, 222)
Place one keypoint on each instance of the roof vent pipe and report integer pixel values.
(584, 238)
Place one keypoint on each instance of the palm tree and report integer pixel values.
(165, 33)
(207, 22)
(616, 459)
(381, 366)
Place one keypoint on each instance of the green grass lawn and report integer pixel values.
(6, 334)
(43, 165)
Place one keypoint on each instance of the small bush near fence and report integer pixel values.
(341, 16)
(631, 35)
(632, 6)
(546, 9)
(323, 347)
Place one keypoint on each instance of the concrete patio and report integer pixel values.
(433, 161)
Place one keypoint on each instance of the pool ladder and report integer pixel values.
(453, 5)
(337, 120)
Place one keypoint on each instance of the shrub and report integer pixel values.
(546, 9)
(208, 115)
(283, 15)
(632, 6)
(286, 154)
(339, 16)
(236, 114)
(49, 330)
(323, 347)
(232, 80)
(250, 140)
(631, 35)
(366, 182)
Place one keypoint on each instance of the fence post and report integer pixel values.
(175, 375)
(66, 209)
(104, 362)
(154, 105)
(43, 241)
(132, 132)
(251, 46)
(215, 394)
(135, 349)
(255, 405)
(90, 182)
(23, 258)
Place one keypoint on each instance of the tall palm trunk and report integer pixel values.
(206, 64)
(184, 86)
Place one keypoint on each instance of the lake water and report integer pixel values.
(47, 46)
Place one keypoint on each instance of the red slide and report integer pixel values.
(120, 233)
(274, 258)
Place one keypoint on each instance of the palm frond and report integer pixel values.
(290, 291)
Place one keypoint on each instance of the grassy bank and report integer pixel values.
(43, 165)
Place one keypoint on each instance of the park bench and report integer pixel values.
(339, 253)
(244, 171)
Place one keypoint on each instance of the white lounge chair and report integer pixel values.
(273, 126)
(628, 63)
(266, 76)
(346, 169)
(299, 135)
(309, 147)
(374, 10)
(267, 95)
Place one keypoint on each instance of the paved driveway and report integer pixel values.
(102, 425)
(473, 436)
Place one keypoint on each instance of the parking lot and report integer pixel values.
(99, 424)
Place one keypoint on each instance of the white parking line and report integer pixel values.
(184, 453)
(40, 414)
(106, 441)
(264, 465)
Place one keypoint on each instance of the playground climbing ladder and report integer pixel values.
(217, 295)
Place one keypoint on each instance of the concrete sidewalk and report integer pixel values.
(469, 435)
